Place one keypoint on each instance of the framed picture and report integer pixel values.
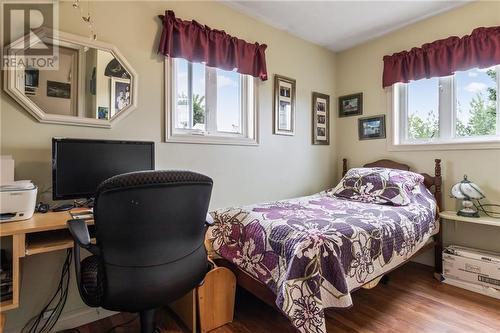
(58, 89)
(103, 112)
(31, 76)
(351, 105)
(320, 119)
(120, 95)
(284, 105)
(371, 128)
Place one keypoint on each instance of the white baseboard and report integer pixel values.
(75, 318)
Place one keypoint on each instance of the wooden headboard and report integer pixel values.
(433, 183)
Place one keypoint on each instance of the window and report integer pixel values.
(462, 108)
(209, 105)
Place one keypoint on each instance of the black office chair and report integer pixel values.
(149, 250)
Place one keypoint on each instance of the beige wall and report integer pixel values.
(360, 70)
(103, 82)
(68, 63)
(278, 168)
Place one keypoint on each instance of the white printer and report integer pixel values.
(17, 200)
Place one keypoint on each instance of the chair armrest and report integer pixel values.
(80, 233)
(209, 221)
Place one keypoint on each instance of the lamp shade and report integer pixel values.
(466, 190)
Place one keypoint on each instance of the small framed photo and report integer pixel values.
(103, 112)
(351, 105)
(58, 89)
(284, 106)
(371, 128)
(320, 119)
(120, 95)
(31, 76)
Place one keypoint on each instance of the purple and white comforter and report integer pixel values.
(313, 251)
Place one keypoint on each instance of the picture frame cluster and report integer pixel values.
(284, 111)
(369, 128)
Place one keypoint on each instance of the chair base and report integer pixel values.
(147, 321)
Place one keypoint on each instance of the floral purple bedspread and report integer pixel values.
(312, 251)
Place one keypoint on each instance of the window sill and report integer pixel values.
(211, 140)
(456, 145)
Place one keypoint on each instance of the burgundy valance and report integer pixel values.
(198, 43)
(443, 57)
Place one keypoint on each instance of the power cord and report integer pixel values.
(483, 208)
(38, 324)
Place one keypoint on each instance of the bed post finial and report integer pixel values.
(438, 182)
(344, 166)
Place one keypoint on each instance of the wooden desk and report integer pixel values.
(211, 303)
(40, 234)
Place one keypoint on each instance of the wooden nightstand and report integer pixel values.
(449, 215)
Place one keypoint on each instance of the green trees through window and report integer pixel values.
(423, 128)
(483, 112)
(198, 109)
(476, 105)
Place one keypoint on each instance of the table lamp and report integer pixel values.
(467, 191)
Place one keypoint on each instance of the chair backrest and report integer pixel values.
(150, 229)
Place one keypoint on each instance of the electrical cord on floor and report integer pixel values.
(122, 324)
(56, 304)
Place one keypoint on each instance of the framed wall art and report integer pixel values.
(320, 119)
(120, 95)
(58, 89)
(103, 112)
(351, 105)
(371, 127)
(284, 105)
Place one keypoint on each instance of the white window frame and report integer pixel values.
(398, 116)
(249, 133)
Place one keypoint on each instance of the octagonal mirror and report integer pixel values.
(68, 79)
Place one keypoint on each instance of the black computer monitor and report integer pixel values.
(79, 165)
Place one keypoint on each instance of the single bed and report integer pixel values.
(306, 254)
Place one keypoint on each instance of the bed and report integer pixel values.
(306, 254)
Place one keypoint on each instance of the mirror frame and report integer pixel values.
(11, 74)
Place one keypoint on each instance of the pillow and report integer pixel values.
(378, 185)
